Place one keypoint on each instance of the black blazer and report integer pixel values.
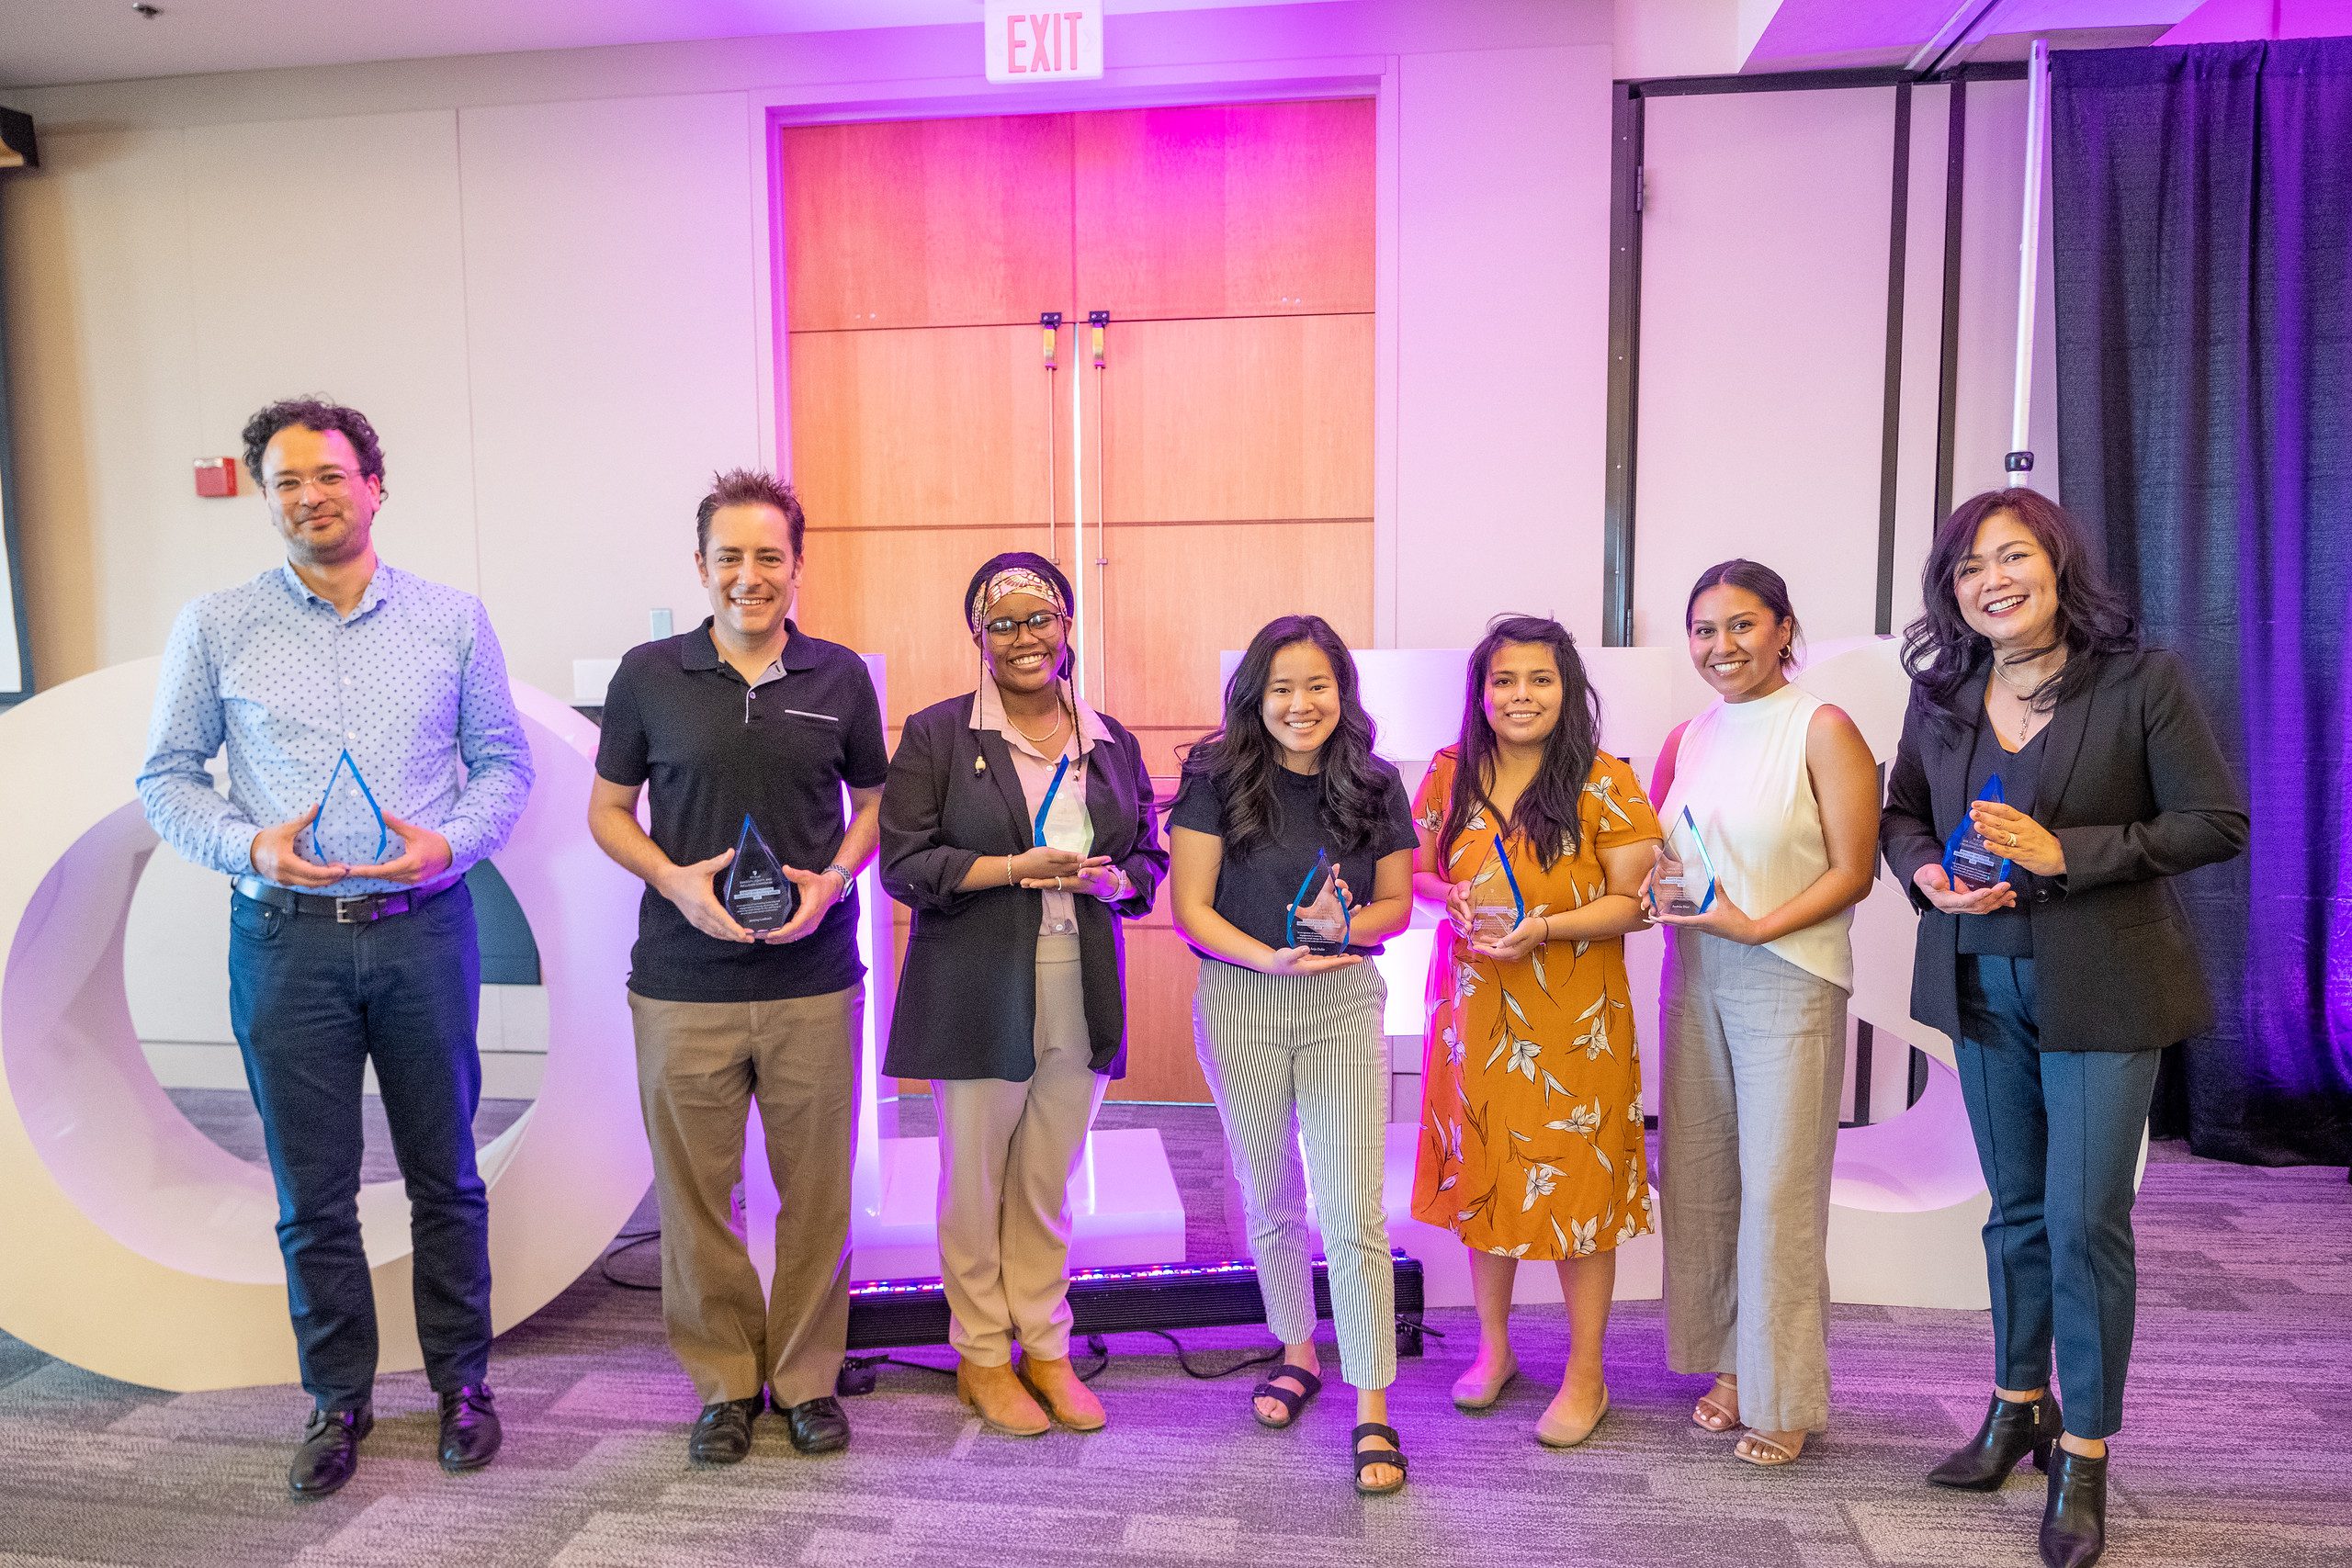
(2135, 791)
(967, 992)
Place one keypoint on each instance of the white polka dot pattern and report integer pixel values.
(412, 684)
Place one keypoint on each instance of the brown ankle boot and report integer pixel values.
(995, 1395)
(1056, 1383)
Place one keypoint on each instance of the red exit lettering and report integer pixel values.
(1051, 40)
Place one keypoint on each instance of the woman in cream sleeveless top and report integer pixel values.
(1783, 793)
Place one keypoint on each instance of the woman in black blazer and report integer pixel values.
(2061, 980)
(1017, 824)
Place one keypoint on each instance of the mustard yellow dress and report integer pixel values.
(1531, 1140)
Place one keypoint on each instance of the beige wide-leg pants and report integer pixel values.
(1753, 1059)
(1006, 1155)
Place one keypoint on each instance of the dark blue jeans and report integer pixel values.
(2058, 1134)
(313, 1002)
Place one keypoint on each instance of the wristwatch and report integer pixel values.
(849, 877)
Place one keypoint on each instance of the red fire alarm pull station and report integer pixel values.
(216, 476)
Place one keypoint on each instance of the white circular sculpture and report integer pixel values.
(139, 1249)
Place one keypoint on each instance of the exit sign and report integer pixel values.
(1029, 42)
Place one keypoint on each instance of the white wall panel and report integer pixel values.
(611, 264)
(1763, 349)
(106, 403)
(1502, 385)
(323, 258)
(1988, 300)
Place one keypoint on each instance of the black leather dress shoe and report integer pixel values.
(2013, 1429)
(818, 1425)
(722, 1433)
(2074, 1518)
(330, 1451)
(469, 1429)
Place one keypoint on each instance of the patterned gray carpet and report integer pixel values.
(2234, 1452)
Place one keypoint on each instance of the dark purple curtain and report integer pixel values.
(2203, 245)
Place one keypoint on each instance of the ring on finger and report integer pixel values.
(2013, 838)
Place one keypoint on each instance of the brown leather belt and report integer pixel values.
(366, 909)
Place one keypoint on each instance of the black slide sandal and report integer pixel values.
(1367, 1459)
(1291, 1399)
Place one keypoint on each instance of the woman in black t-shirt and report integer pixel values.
(1284, 806)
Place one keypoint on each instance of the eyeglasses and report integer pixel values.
(332, 482)
(1041, 623)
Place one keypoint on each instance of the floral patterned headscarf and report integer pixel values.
(1004, 584)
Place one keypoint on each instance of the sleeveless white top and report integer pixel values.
(1741, 771)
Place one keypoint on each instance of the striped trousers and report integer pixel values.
(1287, 1053)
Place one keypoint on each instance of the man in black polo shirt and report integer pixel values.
(747, 716)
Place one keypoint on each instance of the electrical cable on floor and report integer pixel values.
(1183, 1358)
(627, 1241)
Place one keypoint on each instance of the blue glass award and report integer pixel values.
(1686, 872)
(1491, 920)
(349, 828)
(1062, 823)
(759, 896)
(1970, 863)
(1319, 916)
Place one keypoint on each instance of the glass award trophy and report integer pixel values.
(758, 894)
(1492, 920)
(1686, 872)
(1062, 823)
(1319, 916)
(1970, 863)
(349, 828)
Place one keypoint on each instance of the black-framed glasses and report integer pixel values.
(1041, 623)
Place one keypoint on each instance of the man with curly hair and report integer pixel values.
(374, 754)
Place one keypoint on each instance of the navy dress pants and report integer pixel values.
(313, 1002)
(2058, 1133)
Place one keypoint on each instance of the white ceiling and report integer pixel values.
(51, 42)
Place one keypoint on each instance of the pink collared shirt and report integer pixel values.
(1034, 769)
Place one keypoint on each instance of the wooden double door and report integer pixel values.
(1198, 464)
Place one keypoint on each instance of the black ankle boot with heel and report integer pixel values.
(2074, 1519)
(2013, 1429)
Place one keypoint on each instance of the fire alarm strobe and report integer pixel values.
(216, 476)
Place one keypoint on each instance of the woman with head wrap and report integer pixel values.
(1017, 824)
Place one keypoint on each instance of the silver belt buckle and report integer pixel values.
(357, 911)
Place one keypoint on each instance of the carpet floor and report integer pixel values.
(2231, 1455)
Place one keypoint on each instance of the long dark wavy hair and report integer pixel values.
(1240, 758)
(1546, 815)
(1944, 654)
(1044, 568)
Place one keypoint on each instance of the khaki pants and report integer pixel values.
(699, 1065)
(1006, 1155)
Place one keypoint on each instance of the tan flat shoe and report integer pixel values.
(1474, 1393)
(1070, 1402)
(995, 1395)
(1555, 1431)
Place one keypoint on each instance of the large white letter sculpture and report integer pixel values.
(139, 1249)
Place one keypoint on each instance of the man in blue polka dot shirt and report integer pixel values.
(374, 754)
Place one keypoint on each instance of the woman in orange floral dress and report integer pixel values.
(1530, 1141)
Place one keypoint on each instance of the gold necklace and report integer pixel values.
(1060, 716)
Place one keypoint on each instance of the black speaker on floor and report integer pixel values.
(894, 1314)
